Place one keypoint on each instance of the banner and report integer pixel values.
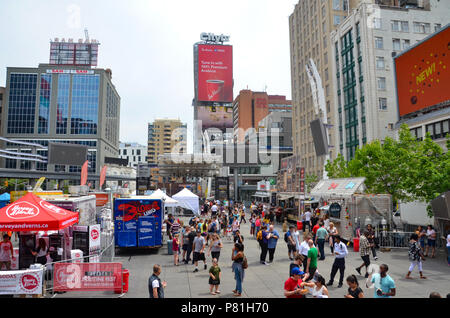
(28, 282)
(84, 173)
(102, 176)
(87, 276)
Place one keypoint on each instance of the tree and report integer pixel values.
(338, 168)
(310, 181)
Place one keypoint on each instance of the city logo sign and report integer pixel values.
(22, 210)
(29, 282)
(211, 37)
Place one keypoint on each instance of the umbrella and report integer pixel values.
(31, 213)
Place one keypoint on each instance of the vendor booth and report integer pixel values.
(349, 207)
(188, 200)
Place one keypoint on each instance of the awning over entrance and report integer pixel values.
(285, 196)
(261, 194)
(338, 188)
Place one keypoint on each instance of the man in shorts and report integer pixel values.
(198, 247)
(291, 245)
(364, 250)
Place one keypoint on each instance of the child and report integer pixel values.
(176, 249)
(214, 277)
(229, 230)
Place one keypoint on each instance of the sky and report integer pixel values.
(148, 45)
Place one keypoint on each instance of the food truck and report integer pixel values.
(349, 207)
(138, 222)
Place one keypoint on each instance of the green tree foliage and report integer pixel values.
(407, 169)
(311, 181)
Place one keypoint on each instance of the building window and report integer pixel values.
(379, 43)
(400, 26)
(44, 103)
(437, 27)
(420, 27)
(381, 83)
(406, 44)
(382, 103)
(337, 5)
(396, 45)
(380, 63)
(62, 107)
(336, 19)
(22, 103)
(84, 117)
(377, 23)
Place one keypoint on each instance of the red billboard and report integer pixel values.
(215, 73)
(423, 74)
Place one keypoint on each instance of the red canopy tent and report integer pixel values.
(31, 213)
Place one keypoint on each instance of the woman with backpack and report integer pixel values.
(238, 267)
(415, 256)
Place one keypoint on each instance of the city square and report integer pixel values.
(304, 142)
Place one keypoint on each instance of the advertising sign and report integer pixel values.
(215, 73)
(94, 243)
(335, 210)
(215, 117)
(87, 276)
(27, 282)
(423, 74)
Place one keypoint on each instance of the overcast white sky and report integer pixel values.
(148, 44)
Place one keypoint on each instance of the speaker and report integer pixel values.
(319, 135)
(67, 154)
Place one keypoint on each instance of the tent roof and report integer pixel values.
(345, 187)
(184, 193)
(5, 197)
(31, 213)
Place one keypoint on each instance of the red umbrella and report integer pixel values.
(31, 213)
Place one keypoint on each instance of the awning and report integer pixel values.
(31, 213)
(332, 188)
(261, 194)
(285, 196)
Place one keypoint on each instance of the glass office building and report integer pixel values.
(65, 104)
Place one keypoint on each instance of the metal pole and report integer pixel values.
(235, 175)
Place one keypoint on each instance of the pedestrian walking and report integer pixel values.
(332, 232)
(169, 222)
(311, 264)
(364, 251)
(292, 286)
(242, 217)
(371, 238)
(272, 242)
(317, 289)
(238, 267)
(321, 236)
(199, 250)
(155, 285)
(238, 238)
(257, 224)
(215, 247)
(420, 231)
(303, 250)
(340, 251)
(448, 248)
(6, 252)
(354, 291)
(191, 236)
(307, 220)
(252, 224)
(383, 283)
(263, 243)
(290, 241)
(214, 277)
(175, 248)
(415, 256)
(431, 241)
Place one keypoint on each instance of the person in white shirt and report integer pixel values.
(303, 250)
(340, 252)
(431, 241)
(307, 220)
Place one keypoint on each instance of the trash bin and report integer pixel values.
(169, 247)
(356, 244)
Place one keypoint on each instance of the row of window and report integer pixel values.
(403, 26)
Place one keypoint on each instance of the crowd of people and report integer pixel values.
(306, 242)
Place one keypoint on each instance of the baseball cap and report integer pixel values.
(297, 271)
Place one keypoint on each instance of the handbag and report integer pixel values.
(245, 263)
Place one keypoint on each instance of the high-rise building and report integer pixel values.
(309, 27)
(63, 104)
(135, 153)
(364, 46)
(249, 108)
(166, 136)
(2, 97)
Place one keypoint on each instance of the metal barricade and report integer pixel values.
(401, 239)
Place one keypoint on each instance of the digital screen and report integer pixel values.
(423, 74)
(215, 117)
(215, 73)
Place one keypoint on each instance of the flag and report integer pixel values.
(84, 173)
(102, 176)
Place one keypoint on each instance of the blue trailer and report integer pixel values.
(138, 222)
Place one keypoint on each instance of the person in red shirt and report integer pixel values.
(292, 287)
(314, 230)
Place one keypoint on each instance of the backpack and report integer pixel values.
(245, 263)
(259, 236)
(286, 237)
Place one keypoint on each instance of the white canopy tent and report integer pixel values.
(188, 200)
(168, 201)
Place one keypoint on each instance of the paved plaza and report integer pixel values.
(267, 281)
